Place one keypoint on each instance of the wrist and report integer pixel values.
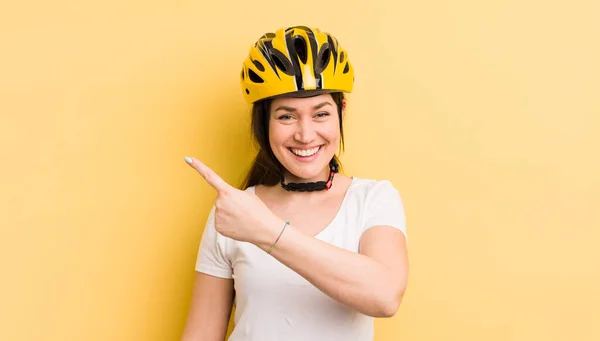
(272, 230)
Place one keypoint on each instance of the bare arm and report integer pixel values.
(371, 281)
(210, 309)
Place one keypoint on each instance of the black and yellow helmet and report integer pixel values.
(295, 60)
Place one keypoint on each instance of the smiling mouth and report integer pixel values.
(305, 152)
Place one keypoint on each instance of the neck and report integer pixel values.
(313, 185)
(322, 176)
(340, 184)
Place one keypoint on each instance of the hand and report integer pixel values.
(239, 215)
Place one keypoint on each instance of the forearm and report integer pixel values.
(353, 279)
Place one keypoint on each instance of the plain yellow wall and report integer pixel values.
(483, 114)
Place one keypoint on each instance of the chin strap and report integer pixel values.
(313, 186)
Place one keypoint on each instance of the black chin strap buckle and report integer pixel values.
(313, 186)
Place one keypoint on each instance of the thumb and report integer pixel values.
(208, 174)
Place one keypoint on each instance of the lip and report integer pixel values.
(306, 158)
(307, 148)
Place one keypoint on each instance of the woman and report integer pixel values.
(302, 251)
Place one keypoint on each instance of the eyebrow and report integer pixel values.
(290, 109)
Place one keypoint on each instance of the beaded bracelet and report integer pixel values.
(273, 246)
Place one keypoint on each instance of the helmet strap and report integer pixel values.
(313, 186)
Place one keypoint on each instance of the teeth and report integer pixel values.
(305, 152)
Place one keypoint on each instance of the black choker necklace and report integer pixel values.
(313, 186)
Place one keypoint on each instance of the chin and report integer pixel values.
(306, 175)
(306, 170)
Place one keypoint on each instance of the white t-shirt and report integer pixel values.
(274, 303)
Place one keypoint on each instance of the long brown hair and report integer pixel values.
(266, 169)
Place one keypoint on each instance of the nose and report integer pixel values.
(305, 131)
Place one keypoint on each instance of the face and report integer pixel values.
(304, 134)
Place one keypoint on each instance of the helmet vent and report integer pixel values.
(254, 77)
(282, 62)
(258, 65)
(342, 57)
(301, 49)
(346, 68)
(323, 58)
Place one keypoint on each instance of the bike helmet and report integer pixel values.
(297, 60)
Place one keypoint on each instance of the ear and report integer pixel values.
(343, 107)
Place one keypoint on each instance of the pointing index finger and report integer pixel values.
(208, 174)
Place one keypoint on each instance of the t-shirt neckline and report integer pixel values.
(328, 227)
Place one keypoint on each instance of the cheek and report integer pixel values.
(332, 133)
(277, 135)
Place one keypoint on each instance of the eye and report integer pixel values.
(284, 117)
(323, 114)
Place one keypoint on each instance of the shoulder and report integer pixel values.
(251, 189)
(382, 204)
(374, 188)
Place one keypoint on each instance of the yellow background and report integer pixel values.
(483, 114)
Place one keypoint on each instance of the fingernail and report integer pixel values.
(188, 159)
